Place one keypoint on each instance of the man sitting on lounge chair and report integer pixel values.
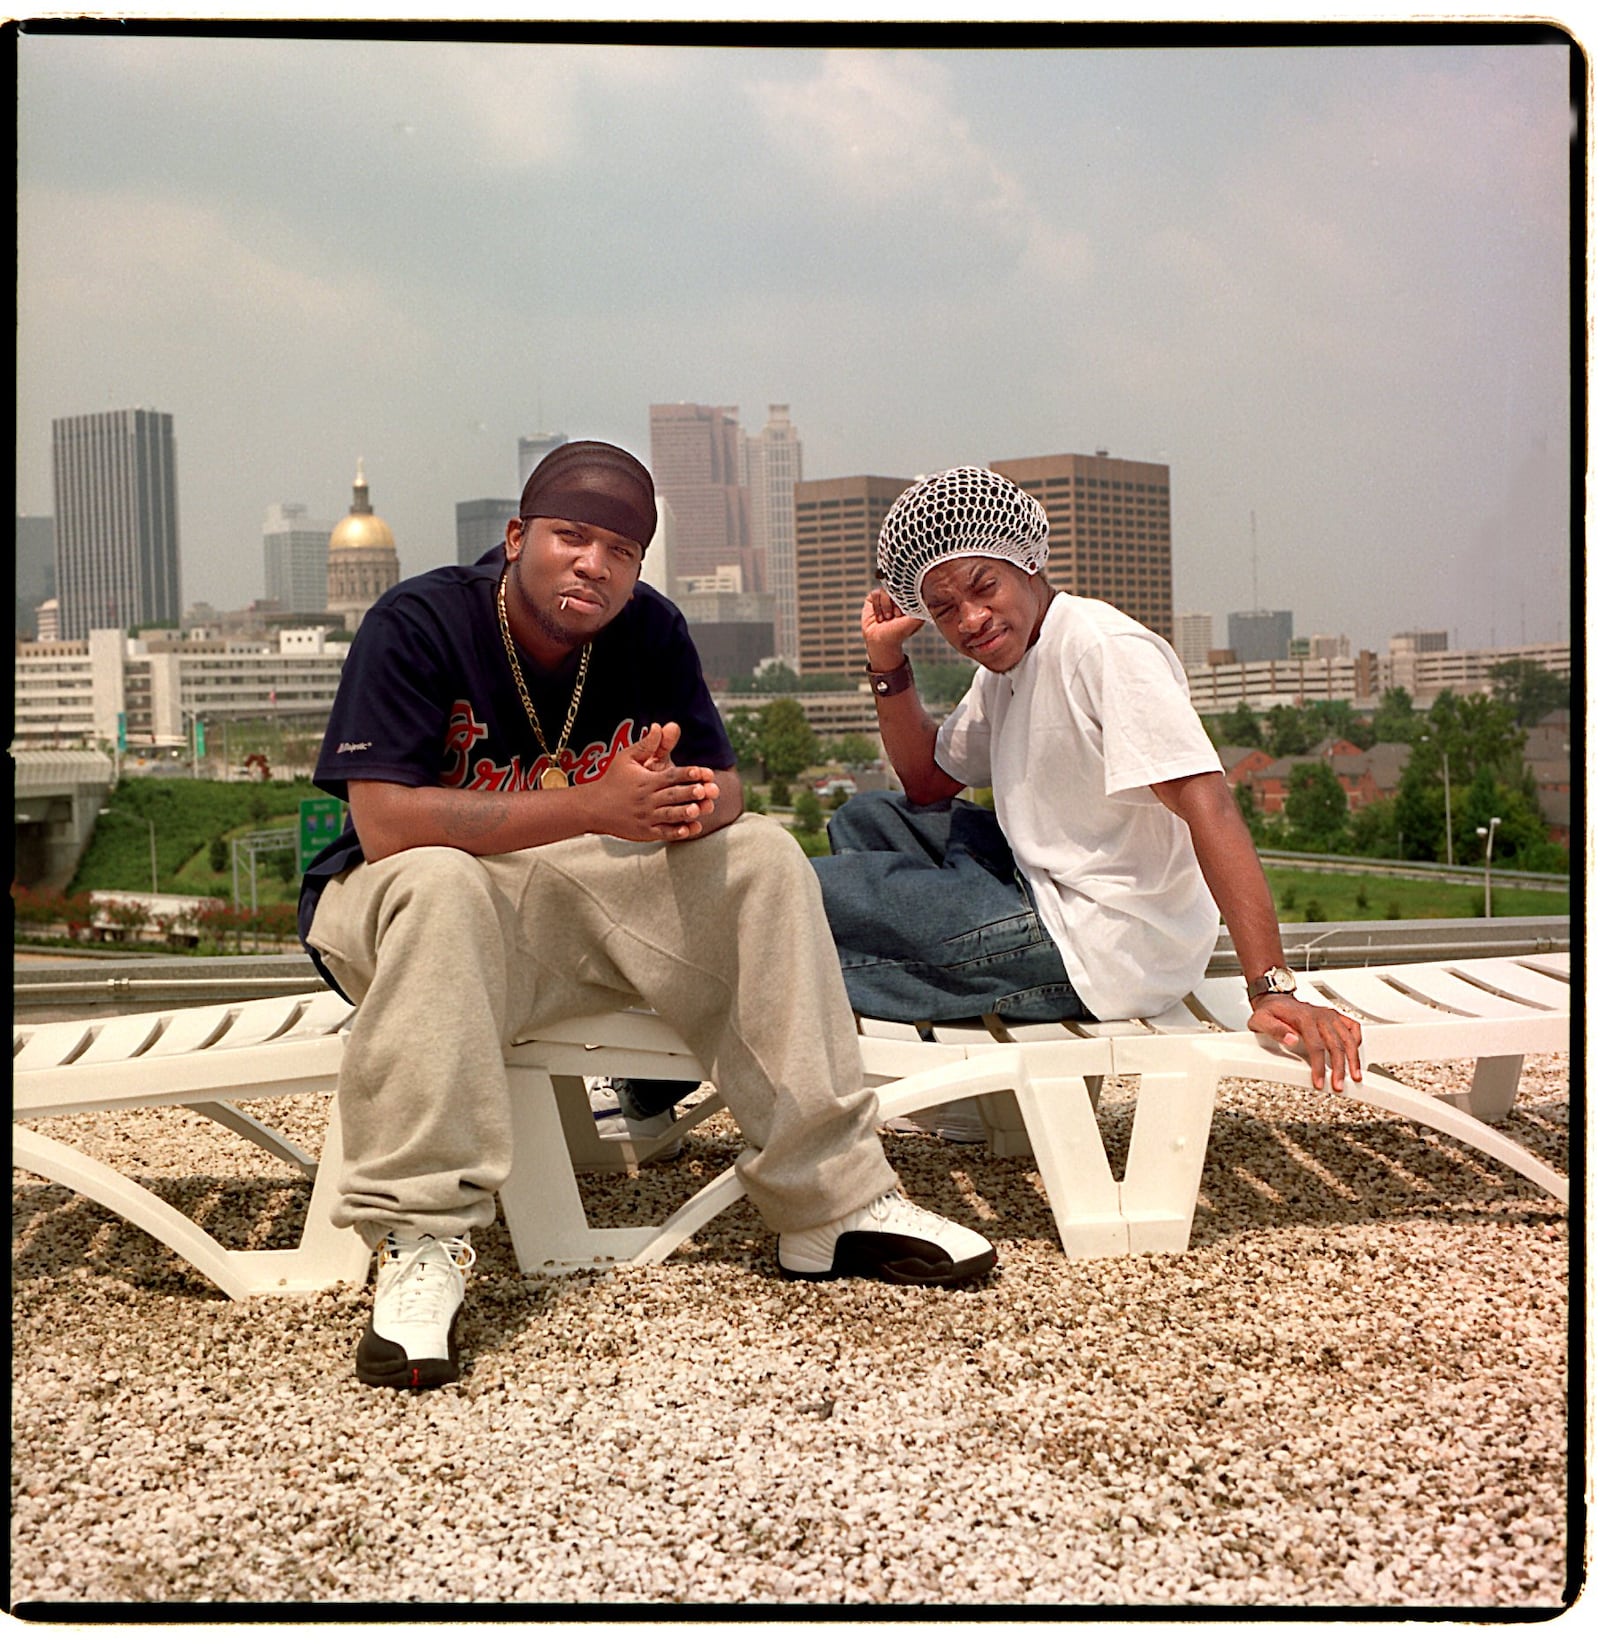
(546, 823)
(1092, 889)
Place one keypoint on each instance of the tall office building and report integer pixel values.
(1260, 636)
(481, 525)
(697, 459)
(532, 449)
(1110, 529)
(836, 525)
(295, 550)
(116, 511)
(1418, 640)
(773, 458)
(1191, 637)
(36, 570)
(362, 561)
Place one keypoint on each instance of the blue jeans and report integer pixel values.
(931, 918)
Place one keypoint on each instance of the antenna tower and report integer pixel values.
(1255, 591)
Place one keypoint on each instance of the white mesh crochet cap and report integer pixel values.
(952, 515)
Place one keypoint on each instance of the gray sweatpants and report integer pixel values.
(453, 957)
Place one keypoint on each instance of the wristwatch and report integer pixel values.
(1280, 979)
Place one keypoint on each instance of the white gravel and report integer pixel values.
(1351, 1390)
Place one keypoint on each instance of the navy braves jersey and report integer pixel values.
(427, 699)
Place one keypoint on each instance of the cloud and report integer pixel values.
(881, 133)
(107, 263)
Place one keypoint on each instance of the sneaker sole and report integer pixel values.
(895, 1261)
(383, 1363)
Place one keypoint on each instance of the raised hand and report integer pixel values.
(886, 628)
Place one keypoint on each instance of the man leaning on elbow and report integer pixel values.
(1092, 889)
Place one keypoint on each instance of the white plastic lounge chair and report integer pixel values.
(1036, 1085)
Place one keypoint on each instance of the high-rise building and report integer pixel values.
(731, 631)
(36, 570)
(1260, 636)
(116, 512)
(1318, 647)
(1191, 637)
(836, 525)
(532, 449)
(1110, 529)
(481, 525)
(1419, 640)
(362, 561)
(295, 550)
(697, 460)
(773, 458)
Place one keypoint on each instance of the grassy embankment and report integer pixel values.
(189, 815)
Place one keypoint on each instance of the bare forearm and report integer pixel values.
(1230, 866)
(909, 739)
(1329, 1040)
(641, 796)
(389, 817)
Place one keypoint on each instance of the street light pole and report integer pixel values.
(1487, 835)
(1449, 830)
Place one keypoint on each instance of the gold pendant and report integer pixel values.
(553, 777)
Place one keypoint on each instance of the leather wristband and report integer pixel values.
(893, 682)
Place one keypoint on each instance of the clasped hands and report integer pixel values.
(648, 798)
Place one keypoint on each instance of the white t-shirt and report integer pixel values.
(1070, 740)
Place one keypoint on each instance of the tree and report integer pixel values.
(1419, 815)
(1395, 719)
(1529, 689)
(1372, 830)
(1339, 719)
(788, 744)
(1289, 732)
(1244, 796)
(1520, 836)
(217, 854)
(807, 811)
(745, 735)
(853, 749)
(776, 678)
(1238, 728)
(1316, 807)
(1472, 731)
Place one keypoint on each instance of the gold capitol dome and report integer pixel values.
(361, 528)
(362, 562)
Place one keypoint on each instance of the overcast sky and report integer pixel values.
(1327, 285)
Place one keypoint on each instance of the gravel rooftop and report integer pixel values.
(1351, 1391)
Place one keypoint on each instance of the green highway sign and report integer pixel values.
(320, 824)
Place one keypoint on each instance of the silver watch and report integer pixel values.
(1280, 979)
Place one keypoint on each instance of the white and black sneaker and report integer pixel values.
(411, 1341)
(890, 1239)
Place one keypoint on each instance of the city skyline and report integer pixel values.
(1326, 287)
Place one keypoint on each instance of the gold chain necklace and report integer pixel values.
(552, 776)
